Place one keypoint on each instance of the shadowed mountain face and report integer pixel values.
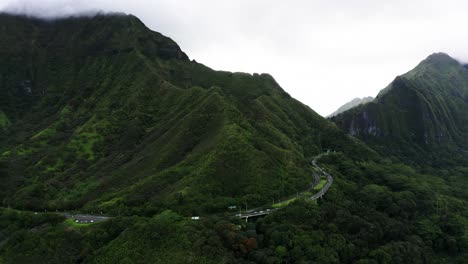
(421, 113)
(101, 112)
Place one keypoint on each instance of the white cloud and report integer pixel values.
(324, 53)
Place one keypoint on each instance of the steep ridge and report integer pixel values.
(421, 115)
(103, 113)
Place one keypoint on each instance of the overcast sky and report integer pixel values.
(324, 53)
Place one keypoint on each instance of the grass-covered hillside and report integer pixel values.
(103, 114)
(421, 115)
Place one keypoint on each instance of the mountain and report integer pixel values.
(100, 115)
(103, 113)
(353, 103)
(421, 115)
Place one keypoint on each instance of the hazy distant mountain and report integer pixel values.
(355, 102)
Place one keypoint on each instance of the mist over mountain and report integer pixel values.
(104, 119)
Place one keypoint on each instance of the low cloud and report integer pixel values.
(45, 8)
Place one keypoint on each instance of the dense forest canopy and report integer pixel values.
(100, 114)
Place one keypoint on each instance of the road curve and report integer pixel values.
(257, 212)
(84, 218)
(329, 179)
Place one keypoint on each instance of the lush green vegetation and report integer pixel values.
(283, 203)
(4, 121)
(378, 213)
(125, 124)
(320, 184)
(73, 223)
(100, 114)
(421, 116)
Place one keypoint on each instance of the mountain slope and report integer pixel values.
(353, 103)
(100, 114)
(105, 114)
(421, 115)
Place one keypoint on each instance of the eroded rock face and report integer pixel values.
(362, 125)
(425, 107)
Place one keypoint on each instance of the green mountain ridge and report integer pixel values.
(124, 119)
(419, 115)
(100, 114)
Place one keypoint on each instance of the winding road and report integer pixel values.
(329, 179)
(86, 219)
(256, 212)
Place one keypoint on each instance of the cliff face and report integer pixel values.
(422, 110)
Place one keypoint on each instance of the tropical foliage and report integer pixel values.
(100, 114)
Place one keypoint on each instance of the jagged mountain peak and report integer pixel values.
(435, 68)
(419, 112)
(439, 57)
(436, 63)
